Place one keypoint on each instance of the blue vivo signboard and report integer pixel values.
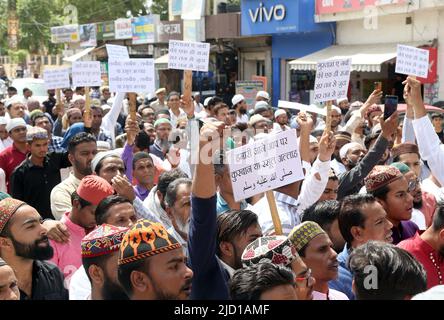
(278, 16)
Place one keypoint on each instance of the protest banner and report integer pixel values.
(187, 55)
(332, 77)
(131, 75)
(117, 52)
(56, 78)
(412, 61)
(265, 165)
(86, 74)
(249, 90)
(301, 107)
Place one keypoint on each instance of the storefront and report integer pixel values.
(293, 34)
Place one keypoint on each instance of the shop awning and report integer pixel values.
(78, 55)
(162, 60)
(365, 58)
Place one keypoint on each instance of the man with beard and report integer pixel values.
(428, 248)
(240, 105)
(361, 219)
(359, 164)
(370, 141)
(24, 246)
(161, 145)
(344, 105)
(178, 207)
(316, 250)
(391, 189)
(50, 103)
(79, 222)
(81, 151)
(100, 252)
(408, 154)
(34, 179)
(281, 118)
(115, 211)
(336, 119)
(8, 282)
(97, 129)
(152, 264)
(342, 138)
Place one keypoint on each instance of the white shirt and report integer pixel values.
(289, 208)
(429, 186)
(338, 167)
(419, 218)
(80, 286)
(174, 118)
(198, 107)
(242, 119)
(110, 119)
(277, 128)
(430, 147)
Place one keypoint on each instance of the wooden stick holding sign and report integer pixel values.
(132, 106)
(274, 212)
(87, 101)
(328, 117)
(187, 84)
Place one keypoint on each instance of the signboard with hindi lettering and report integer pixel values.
(169, 30)
(86, 74)
(412, 61)
(56, 78)
(332, 77)
(131, 75)
(187, 55)
(143, 30)
(117, 52)
(265, 165)
(123, 29)
(65, 34)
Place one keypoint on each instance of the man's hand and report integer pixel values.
(87, 119)
(173, 156)
(389, 126)
(57, 231)
(327, 146)
(412, 94)
(305, 121)
(188, 106)
(123, 187)
(374, 98)
(132, 130)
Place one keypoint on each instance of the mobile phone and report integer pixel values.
(390, 106)
(378, 85)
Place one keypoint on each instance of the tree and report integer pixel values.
(160, 7)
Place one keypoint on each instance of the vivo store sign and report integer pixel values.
(269, 16)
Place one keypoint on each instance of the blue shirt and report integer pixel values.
(345, 278)
(222, 205)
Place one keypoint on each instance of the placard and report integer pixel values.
(185, 55)
(265, 165)
(131, 75)
(332, 77)
(249, 90)
(117, 52)
(301, 107)
(122, 29)
(86, 74)
(412, 61)
(56, 78)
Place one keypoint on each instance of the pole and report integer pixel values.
(274, 212)
(328, 118)
(132, 106)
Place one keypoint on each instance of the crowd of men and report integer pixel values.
(101, 206)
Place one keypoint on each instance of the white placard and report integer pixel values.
(332, 77)
(56, 78)
(265, 165)
(117, 52)
(186, 55)
(301, 107)
(86, 74)
(412, 61)
(131, 75)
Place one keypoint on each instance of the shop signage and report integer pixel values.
(337, 6)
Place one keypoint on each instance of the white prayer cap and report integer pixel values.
(347, 147)
(100, 155)
(279, 112)
(103, 146)
(260, 104)
(337, 109)
(206, 101)
(160, 90)
(342, 100)
(256, 118)
(236, 99)
(105, 107)
(3, 120)
(11, 101)
(263, 94)
(15, 123)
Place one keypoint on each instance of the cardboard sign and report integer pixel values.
(117, 52)
(131, 75)
(185, 55)
(412, 61)
(86, 74)
(56, 78)
(265, 165)
(332, 77)
(301, 107)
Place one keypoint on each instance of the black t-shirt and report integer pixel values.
(441, 136)
(47, 283)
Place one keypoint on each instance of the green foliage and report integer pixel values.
(19, 56)
(160, 7)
